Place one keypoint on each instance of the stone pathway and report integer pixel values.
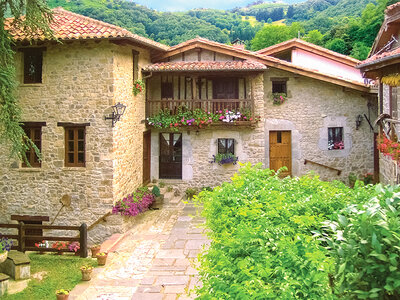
(154, 260)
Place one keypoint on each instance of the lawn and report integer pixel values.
(62, 273)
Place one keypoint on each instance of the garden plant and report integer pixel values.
(299, 238)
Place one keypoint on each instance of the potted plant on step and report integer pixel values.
(62, 294)
(5, 246)
(102, 258)
(86, 272)
(95, 250)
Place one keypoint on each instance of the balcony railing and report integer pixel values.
(155, 106)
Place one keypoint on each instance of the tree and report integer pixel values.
(290, 12)
(360, 51)
(337, 45)
(37, 19)
(315, 37)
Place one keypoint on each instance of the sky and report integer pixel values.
(181, 5)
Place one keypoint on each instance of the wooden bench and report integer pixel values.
(17, 265)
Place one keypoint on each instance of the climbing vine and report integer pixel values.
(33, 17)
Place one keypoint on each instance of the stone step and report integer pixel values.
(111, 242)
(3, 283)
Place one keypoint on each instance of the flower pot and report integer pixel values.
(101, 260)
(3, 256)
(95, 251)
(86, 274)
(62, 297)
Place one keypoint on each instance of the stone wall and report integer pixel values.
(128, 132)
(81, 81)
(313, 106)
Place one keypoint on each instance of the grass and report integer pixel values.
(62, 273)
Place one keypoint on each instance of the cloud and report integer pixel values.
(180, 5)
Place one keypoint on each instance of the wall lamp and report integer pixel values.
(358, 121)
(118, 111)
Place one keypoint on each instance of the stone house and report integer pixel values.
(66, 89)
(325, 96)
(383, 66)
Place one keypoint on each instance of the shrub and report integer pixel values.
(161, 184)
(190, 192)
(169, 189)
(365, 242)
(156, 191)
(135, 203)
(262, 246)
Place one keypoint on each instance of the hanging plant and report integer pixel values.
(138, 87)
(278, 98)
(389, 148)
(392, 79)
(225, 158)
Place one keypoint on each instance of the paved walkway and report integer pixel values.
(154, 260)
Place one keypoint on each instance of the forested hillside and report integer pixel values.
(345, 26)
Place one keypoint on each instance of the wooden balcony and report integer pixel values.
(153, 107)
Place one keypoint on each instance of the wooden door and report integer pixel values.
(225, 88)
(280, 151)
(146, 156)
(170, 156)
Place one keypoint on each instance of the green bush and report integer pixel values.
(190, 192)
(365, 242)
(156, 191)
(262, 246)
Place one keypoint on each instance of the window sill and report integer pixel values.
(31, 84)
(28, 169)
(80, 169)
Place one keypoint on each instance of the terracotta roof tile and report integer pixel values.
(391, 7)
(72, 26)
(380, 56)
(246, 65)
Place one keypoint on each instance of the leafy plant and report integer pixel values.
(260, 227)
(156, 191)
(5, 244)
(161, 184)
(278, 98)
(86, 268)
(102, 254)
(169, 189)
(138, 87)
(190, 192)
(352, 179)
(364, 240)
(225, 158)
(135, 203)
(62, 292)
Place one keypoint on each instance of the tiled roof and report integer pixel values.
(380, 56)
(180, 66)
(391, 7)
(307, 46)
(71, 26)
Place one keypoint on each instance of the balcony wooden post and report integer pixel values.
(252, 87)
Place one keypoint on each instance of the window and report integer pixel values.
(33, 60)
(279, 87)
(75, 146)
(34, 132)
(167, 91)
(135, 58)
(335, 138)
(226, 146)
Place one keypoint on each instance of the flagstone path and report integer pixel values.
(154, 260)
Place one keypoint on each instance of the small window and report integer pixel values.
(226, 146)
(34, 133)
(335, 138)
(279, 87)
(135, 58)
(75, 146)
(167, 91)
(33, 60)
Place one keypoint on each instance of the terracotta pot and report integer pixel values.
(95, 251)
(62, 297)
(3, 256)
(101, 260)
(86, 274)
